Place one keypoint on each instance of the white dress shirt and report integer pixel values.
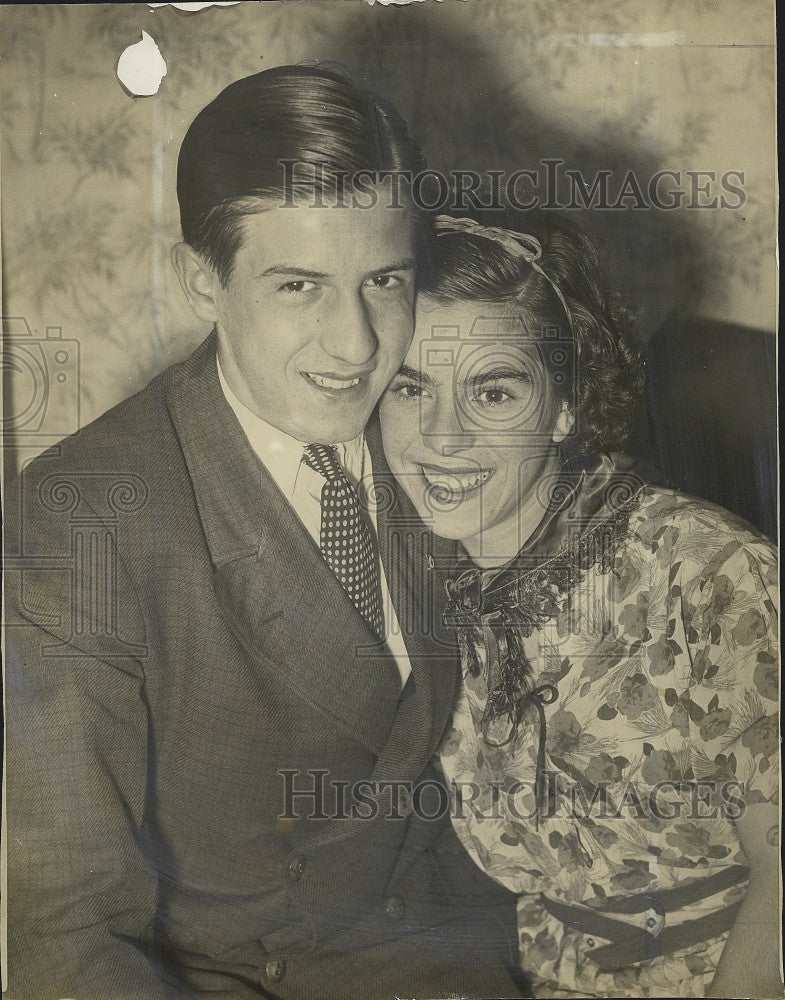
(282, 455)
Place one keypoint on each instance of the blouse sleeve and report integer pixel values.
(729, 605)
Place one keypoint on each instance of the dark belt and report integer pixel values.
(629, 944)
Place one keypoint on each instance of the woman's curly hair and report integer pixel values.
(607, 383)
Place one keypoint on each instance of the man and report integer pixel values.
(208, 691)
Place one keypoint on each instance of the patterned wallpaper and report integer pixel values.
(88, 204)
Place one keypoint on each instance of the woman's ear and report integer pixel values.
(197, 280)
(564, 423)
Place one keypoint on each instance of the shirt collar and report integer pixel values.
(281, 453)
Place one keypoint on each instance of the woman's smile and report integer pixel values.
(455, 483)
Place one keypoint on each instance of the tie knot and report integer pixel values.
(322, 458)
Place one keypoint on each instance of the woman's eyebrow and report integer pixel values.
(414, 375)
(404, 264)
(521, 374)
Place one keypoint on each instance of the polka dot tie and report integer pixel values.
(345, 538)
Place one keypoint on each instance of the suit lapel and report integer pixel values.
(281, 600)
(285, 606)
(416, 586)
(405, 546)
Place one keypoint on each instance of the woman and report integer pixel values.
(614, 749)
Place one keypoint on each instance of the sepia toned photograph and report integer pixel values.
(390, 500)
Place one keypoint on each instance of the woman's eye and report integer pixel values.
(298, 287)
(492, 397)
(408, 390)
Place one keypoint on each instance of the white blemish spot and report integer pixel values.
(141, 68)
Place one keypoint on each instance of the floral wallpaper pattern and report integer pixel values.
(88, 173)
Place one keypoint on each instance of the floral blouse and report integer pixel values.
(659, 690)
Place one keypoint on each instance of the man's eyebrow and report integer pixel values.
(288, 270)
(414, 375)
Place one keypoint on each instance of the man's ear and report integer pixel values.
(197, 279)
(564, 423)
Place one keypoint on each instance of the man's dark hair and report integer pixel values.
(608, 380)
(315, 119)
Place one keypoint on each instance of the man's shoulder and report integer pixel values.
(130, 457)
(124, 433)
(133, 435)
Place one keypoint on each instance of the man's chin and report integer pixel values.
(332, 431)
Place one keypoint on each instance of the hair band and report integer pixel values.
(522, 246)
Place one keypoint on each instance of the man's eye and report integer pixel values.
(384, 281)
(297, 287)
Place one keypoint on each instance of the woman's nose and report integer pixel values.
(444, 429)
(349, 334)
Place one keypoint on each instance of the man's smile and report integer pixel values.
(334, 383)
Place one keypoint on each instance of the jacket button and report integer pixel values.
(395, 908)
(275, 970)
(655, 922)
(295, 867)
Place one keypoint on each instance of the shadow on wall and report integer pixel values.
(709, 421)
(464, 98)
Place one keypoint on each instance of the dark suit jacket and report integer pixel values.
(178, 652)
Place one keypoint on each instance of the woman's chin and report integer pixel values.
(454, 528)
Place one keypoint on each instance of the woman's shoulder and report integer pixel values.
(679, 541)
(680, 525)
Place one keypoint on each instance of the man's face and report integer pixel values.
(317, 316)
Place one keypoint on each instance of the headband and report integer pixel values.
(519, 245)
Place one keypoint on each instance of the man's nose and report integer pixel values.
(349, 334)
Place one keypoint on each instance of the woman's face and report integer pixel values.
(468, 425)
